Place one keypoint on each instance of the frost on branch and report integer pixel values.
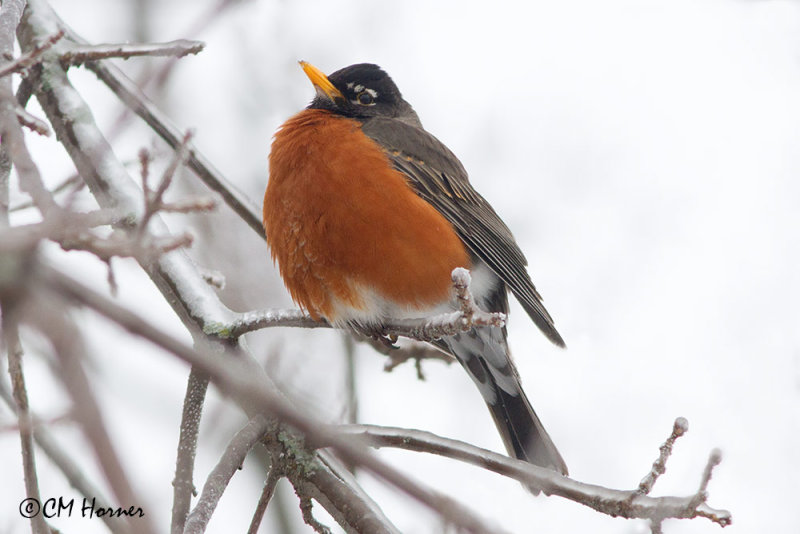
(467, 317)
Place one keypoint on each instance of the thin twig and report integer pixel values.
(183, 483)
(80, 54)
(20, 395)
(350, 381)
(52, 321)
(218, 479)
(72, 183)
(448, 324)
(679, 428)
(14, 151)
(154, 199)
(32, 122)
(266, 495)
(714, 459)
(256, 320)
(306, 507)
(10, 131)
(133, 97)
(416, 352)
(31, 58)
(160, 76)
(608, 501)
(74, 474)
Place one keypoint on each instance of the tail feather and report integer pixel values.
(523, 433)
(483, 352)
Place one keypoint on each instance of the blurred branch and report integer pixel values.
(71, 471)
(71, 183)
(14, 151)
(616, 503)
(415, 352)
(52, 321)
(175, 275)
(10, 131)
(134, 98)
(22, 409)
(80, 54)
(236, 380)
(139, 104)
(32, 122)
(326, 485)
(156, 77)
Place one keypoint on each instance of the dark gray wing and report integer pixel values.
(438, 177)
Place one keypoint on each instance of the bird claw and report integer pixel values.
(377, 333)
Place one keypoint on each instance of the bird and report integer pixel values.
(367, 214)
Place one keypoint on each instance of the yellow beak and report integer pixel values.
(322, 84)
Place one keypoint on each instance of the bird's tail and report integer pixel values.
(484, 354)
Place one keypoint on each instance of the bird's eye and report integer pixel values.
(365, 98)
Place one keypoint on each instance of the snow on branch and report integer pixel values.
(467, 317)
(623, 503)
(29, 59)
(79, 54)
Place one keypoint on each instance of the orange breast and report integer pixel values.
(344, 226)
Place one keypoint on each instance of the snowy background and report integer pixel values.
(646, 155)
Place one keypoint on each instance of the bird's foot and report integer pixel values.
(376, 332)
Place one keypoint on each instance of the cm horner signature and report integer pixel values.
(61, 507)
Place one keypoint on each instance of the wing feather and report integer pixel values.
(438, 177)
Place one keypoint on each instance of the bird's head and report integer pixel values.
(359, 91)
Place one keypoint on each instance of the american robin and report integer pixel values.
(367, 214)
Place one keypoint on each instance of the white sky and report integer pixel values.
(645, 154)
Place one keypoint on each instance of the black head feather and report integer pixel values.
(368, 92)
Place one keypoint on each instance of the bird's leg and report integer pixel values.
(376, 332)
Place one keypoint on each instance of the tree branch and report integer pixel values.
(52, 322)
(183, 483)
(135, 99)
(10, 131)
(22, 409)
(231, 460)
(629, 504)
(80, 54)
(236, 378)
(424, 329)
(266, 495)
(30, 58)
(71, 471)
(680, 427)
